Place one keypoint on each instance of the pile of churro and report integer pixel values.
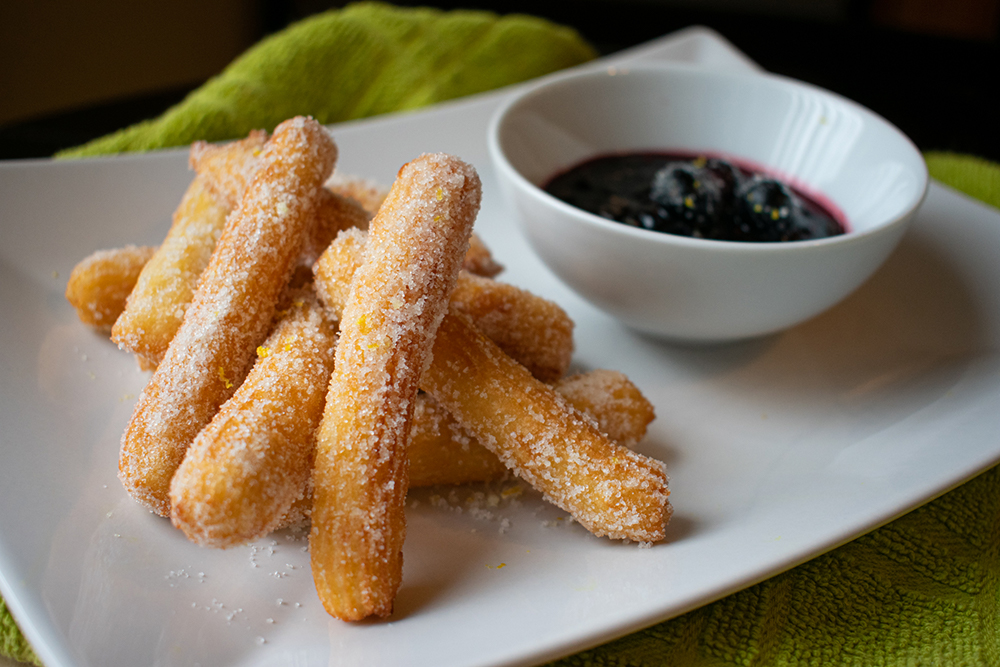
(319, 344)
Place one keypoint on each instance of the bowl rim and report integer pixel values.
(559, 79)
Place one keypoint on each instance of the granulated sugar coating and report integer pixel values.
(228, 167)
(397, 298)
(230, 312)
(442, 452)
(245, 469)
(536, 332)
(558, 475)
(157, 304)
(100, 284)
(618, 407)
(608, 489)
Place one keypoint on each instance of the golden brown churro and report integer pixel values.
(609, 489)
(231, 310)
(533, 330)
(163, 290)
(525, 423)
(229, 168)
(442, 452)
(100, 284)
(397, 298)
(246, 468)
(621, 411)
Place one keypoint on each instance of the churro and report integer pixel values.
(617, 406)
(396, 301)
(442, 452)
(245, 469)
(533, 431)
(533, 330)
(228, 169)
(607, 488)
(231, 310)
(100, 283)
(156, 305)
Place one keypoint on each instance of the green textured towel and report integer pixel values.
(363, 60)
(924, 589)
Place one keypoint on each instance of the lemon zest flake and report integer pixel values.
(225, 380)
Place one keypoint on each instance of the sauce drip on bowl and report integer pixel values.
(697, 196)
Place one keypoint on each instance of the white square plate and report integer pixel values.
(779, 449)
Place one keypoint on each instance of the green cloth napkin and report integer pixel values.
(366, 59)
(924, 589)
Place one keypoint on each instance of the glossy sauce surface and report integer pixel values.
(696, 196)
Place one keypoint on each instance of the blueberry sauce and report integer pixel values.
(697, 196)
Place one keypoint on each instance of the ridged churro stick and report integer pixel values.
(231, 310)
(396, 300)
(156, 306)
(535, 331)
(245, 469)
(441, 452)
(607, 488)
(100, 283)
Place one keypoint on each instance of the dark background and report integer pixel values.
(929, 66)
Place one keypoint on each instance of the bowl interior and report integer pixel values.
(825, 145)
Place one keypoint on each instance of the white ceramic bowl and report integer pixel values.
(695, 289)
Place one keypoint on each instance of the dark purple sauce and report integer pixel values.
(697, 196)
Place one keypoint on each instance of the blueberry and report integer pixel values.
(729, 179)
(765, 211)
(688, 200)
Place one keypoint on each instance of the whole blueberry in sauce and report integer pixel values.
(693, 196)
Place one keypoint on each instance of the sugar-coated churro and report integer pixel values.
(156, 305)
(245, 469)
(607, 488)
(100, 284)
(228, 169)
(621, 411)
(442, 452)
(546, 442)
(231, 310)
(396, 300)
(533, 330)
